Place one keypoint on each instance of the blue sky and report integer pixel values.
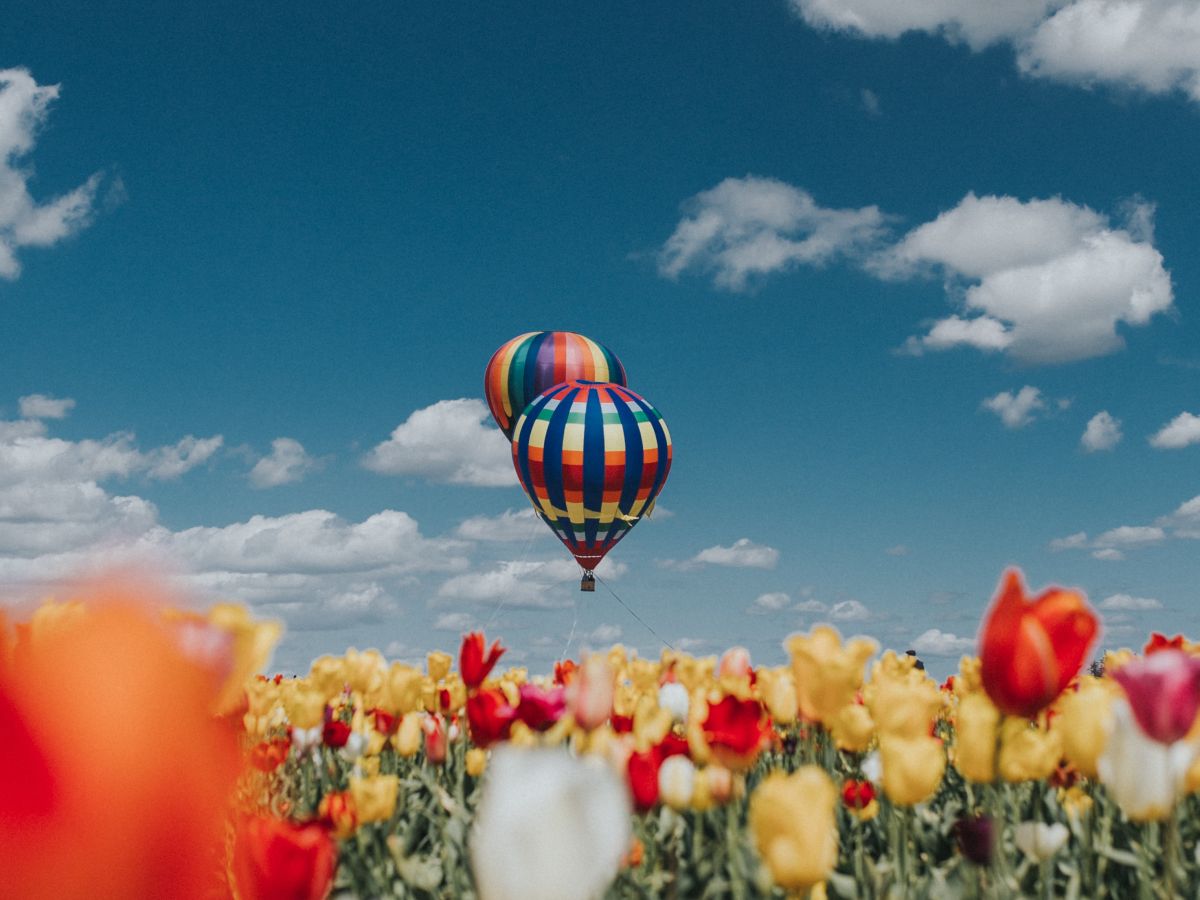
(881, 268)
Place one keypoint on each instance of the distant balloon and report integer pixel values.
(532, 363)
(592, 457)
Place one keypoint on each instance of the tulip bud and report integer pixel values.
(673, 697)
(677, 782)
(590, 694)
(476, 761)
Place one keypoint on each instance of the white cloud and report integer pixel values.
(288, 463)
(454, 621)
(1046, 281)
(976, 23)
(897, 550)
(1181, 431)
(743, 553)
(870, 102)
(24, 105)
(1108, 554)
(1016, 410)
(452, 441)
(1149, 45)
(848, 611)
(1153, 45)
(1077, 541)
(316, 541)
(511, 525)
(530, 584)
(167, 463)
(1103, 432)
(1185, 520)
(936, 642)
(1125, 601)
(811, 606)
(1130, 536)
(605, 634)
(39, 406)
(745, 228)
(772, 602)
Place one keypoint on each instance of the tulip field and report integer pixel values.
(147, 755)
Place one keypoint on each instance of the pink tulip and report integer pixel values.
(1164, 693)
(590, 693)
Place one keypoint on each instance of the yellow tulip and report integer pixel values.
(404, 689)
(778, 690)
(438, 664)
(1028, 752)
(852, 728)
(970, 676)
(375, 797)
(303, 703)
(827, 674)
(326, 674)
(364, 671)
(1075, 802)
(409, 738)
(476, 761)
(458, 692)
(253, 642)
(903, 707)
(975, 733)
(792, 818)
(1083, 724)
(369, 765)
(912, 768)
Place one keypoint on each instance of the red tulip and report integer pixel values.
(1164, 693)
(540, 709)
(277, 860)
(1159, 642)
(643, 778)
(473, 664)
(1031, 649)
(489, 716)
(336, 733)
(436, 739)
(735, 730)
(857, 794)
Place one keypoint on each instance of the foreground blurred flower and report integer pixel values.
(677, 781)
(1164, 693)
(473, 663)
(1040, 841)
(912, 768)
(1031, 649)
(115, 777)
(792, 818)
(1143, 775)
(590, 693)
(550, 826)
(277, 860)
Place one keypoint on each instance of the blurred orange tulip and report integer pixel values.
(279, 860)
(114, 775)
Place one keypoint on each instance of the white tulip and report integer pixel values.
(872, 768)
(550, 826)
(673, 697)
(677, 781)
(1144, 776)
(1040, 841)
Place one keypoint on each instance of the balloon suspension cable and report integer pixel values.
(664, 641)
(574, 625)
(504, 597)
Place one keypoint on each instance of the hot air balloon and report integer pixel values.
(592, 456)
(532, 363)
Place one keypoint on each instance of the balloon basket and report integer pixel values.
(588, 583)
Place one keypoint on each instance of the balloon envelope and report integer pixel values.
(592, 457)
(532, 363)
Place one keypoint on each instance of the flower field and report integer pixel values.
(145, 755)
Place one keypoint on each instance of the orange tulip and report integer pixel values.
(1031, 649)
(279, 860)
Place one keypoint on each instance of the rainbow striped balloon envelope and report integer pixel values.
(532, 363)
(592, 456)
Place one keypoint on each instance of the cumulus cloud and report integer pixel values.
(1182, 431)
(848, 611)
(605, 634)
(1149, 45)
(1108, 554)
(1103, 432)
(1044, 281)
(1110, 546)
(897, 550)
(511, 525)
(1125, 601)
(24, 105)
(288, 462)
(167, 463)
(40, 406)
(452, 441)
(454, 621)
(769, 603)
(936, 642)
(811, 606)
(743, 553)
(747, 228)
(529, 584)
(1184, 521)
(1016, 410)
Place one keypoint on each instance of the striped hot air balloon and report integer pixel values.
(592, 457)
(532, 363)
